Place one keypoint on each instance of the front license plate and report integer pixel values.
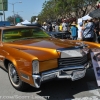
(78, 74)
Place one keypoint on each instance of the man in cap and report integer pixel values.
(74, 31)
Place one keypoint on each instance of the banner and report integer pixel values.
(95, 55)
(3, 5)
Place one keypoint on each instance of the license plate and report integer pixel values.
(78, 74)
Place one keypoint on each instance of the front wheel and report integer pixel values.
(15, 80)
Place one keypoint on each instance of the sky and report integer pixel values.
(26, 9)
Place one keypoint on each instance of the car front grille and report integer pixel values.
(72, 61)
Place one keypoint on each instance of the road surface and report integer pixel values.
(83, 89)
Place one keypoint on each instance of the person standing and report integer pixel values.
(80, 25)
(64, 26)
(96, 23)
(60, 27)
(44, 26)
(49, 27)
(98, 4)
(74, 31)
(88, 31)
(56, 27)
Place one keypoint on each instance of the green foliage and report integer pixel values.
(33, 18)
(55, 9)
(11, 18)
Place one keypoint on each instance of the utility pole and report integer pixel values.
(14, 10)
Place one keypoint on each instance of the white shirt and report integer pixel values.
(79, 31)
(64, 26)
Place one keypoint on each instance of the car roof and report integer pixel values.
(13, 27)
(33, 24)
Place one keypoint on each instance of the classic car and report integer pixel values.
(31, 56)
(60, 35)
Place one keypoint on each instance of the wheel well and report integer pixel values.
(6, 63)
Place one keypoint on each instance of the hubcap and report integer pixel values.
(13, 75)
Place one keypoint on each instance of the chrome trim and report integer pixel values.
(37, 80)
(72, 61)
(64, 68)
(57, 73)
(25, 76)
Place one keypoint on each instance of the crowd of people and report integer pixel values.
(87, 30)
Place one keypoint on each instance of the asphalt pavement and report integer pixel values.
(83, 89)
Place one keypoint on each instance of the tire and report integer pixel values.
(16, 82)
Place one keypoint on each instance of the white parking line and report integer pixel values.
(93, 88)
(86, 98)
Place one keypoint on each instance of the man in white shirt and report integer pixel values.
(64, 26)
(80, 30)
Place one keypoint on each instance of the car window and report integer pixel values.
(39, 33)
(23, 33)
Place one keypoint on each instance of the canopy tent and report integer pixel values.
(25, 22)
(86, 17)
(19, 24)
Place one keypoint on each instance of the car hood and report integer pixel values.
(44, 49)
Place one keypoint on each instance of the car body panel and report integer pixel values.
(46, 50)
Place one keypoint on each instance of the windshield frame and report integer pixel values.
(36, 33)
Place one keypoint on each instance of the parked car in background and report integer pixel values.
(60, 35)
(31, 56)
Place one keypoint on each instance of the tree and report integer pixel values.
(55, 9)
(48, 13)
(33, 18)
(11, 18)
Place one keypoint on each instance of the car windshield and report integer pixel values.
(10, 35)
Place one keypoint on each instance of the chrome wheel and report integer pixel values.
(14, 78)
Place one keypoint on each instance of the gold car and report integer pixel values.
(31, 56)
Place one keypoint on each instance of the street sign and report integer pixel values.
(17, 20)
(3, 5)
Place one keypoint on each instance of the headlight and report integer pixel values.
(35, 65)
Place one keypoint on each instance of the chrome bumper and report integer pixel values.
(65, 72)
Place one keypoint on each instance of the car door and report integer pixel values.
(2, 57)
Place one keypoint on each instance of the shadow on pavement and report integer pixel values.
(64, 89)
